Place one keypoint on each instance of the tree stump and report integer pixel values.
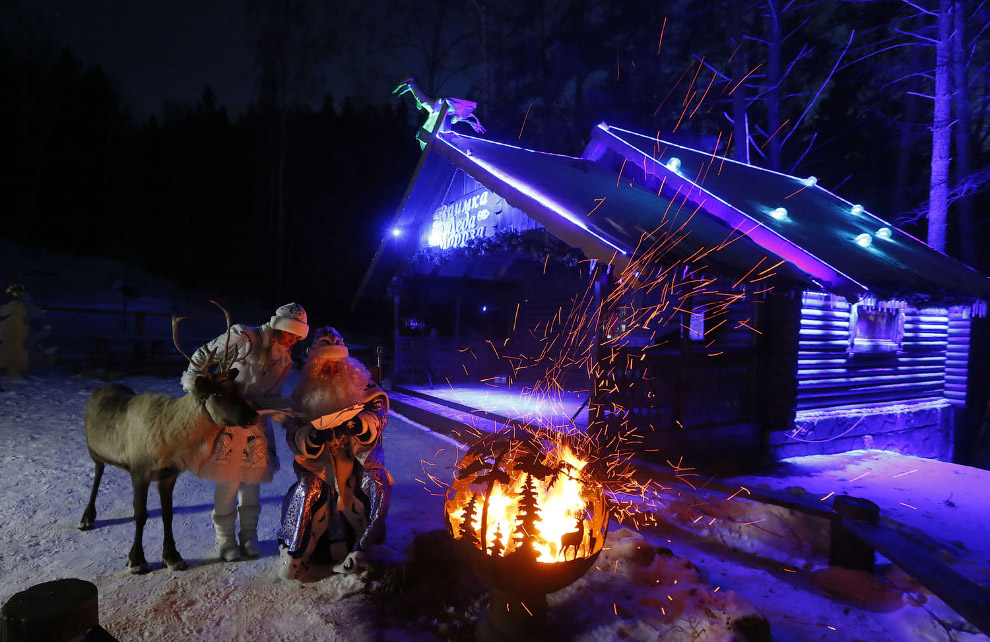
(847, 550)
(57, 611)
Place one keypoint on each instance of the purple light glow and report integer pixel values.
(759, 232)
(527, 190)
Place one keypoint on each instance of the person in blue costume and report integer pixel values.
(341, 496)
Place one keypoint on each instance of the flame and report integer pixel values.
(562, 519)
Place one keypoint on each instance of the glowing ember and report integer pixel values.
(515, 494)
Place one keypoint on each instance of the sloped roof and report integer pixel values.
(819, 231)
(627, 187)
(584, 204)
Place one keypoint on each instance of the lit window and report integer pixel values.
(696, 329)
(875, 330)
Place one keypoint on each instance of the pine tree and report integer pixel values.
(496, 548)
(467, 531)
(527, 515)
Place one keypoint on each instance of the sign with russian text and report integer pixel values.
(473, 216)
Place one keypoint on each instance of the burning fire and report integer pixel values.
(528, 496)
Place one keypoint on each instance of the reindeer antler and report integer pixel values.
(226, 362)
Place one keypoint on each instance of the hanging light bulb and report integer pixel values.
(864, 240)
(884, 233)
(778, 213)
(674, 164)
(857, 210)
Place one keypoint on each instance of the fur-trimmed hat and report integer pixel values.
(291, 318)
(327, 344)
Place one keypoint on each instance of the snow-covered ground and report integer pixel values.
(740, 562)
(418, 592)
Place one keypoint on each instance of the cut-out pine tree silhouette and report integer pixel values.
(527, 513)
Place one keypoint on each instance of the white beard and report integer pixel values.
(330, 385)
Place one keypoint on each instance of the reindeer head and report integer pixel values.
(216, 391)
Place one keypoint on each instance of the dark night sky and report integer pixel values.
(156, 51)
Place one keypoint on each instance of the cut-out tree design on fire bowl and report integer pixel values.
(527, 515)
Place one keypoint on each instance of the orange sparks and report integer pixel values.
(859, 476)
(741, 489)
(771, 267)
(907, 473)
(745, 77)
(598, 203)
(662, 27)
(770, 138)
(523, 604)
(827, 496)
(703, 96)
(908, 505)
(796, 192)
(525, 118)
(748, 273)
(727, 144)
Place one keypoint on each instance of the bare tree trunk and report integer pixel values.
(960, 77)
(938, 203)
(773, 82)
(739, 117)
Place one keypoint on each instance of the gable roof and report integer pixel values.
(715, 211)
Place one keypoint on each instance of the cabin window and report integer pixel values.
(696, 326)
(875, 329)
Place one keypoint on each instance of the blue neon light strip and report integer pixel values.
(535, 194)
(773, 241)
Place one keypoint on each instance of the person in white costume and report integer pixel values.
(244, 456)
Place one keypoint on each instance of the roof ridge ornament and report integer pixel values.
(452, 110)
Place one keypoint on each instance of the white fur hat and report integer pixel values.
(327, 344)
(291, 318)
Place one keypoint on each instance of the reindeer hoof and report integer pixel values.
(85, 525)
(176, 564)
(140, 569)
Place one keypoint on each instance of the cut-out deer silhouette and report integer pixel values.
(572, 539)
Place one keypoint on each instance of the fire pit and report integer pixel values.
(528, 518)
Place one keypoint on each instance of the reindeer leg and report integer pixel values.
(170, 556)
(135, 559)
(89, 515)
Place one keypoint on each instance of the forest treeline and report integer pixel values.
(188, 195)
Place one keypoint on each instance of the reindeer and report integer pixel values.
(573, 539)
(155, 436)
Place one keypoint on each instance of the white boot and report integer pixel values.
(226, 544)
(248, 534)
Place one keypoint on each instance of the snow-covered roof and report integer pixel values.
(627, 185)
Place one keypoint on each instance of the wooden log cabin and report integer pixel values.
(709, 308)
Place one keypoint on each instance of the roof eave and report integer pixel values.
(819, 272)
(565, 226)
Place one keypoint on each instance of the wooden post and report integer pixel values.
(846, 549)
(59, 611)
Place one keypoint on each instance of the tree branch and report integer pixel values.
(852, 35)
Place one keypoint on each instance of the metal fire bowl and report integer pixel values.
(518, 573)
